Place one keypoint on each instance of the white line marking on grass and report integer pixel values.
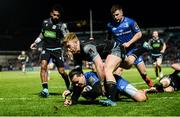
(21, 98)
(141, 83)
(138, 83)
(16, 99)
(169, 97)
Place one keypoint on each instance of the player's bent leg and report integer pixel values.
(127, 64)
(140, 96)
(142, 70)
(159, 62)
(23, 68)
(64, 75)
(44, 79)
(135, 94)
(124, 86)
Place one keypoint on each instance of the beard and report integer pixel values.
(55, 21)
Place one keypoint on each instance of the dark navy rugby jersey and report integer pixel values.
(53, 33)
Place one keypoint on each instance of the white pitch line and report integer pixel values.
(22, 98)
(137, 83)
(169, 97)
(141, 83)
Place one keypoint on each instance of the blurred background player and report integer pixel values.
(158, 48)
(53, 31)
(23, 58)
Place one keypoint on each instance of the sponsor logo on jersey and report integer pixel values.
(91, 51)
(126, 24)
(49, 34)
(54, 27)
(156, 45)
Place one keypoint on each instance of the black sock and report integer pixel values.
(147, 80)
(156, 70)
(159, 68)
(45, 85)
(111, 90)
(66, 79)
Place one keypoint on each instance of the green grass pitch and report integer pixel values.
(19, 97)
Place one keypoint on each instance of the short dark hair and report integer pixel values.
(77, 71)
(57, 7)
(115, 7)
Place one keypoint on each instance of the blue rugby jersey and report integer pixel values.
(91, 78)
(123, 31)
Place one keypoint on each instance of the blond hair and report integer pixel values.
(70, 36)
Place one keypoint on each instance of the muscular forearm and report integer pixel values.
(136, 37)
(164, 48)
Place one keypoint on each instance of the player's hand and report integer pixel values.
(126, 45)
(66, 93)
(33, 46)
(67, 102)
(162, 52)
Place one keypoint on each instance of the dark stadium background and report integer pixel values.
(20, 21)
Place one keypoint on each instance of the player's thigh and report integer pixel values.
(112, 62)
(50, 66)
(159, 60)
(58, 59)
(140, 96)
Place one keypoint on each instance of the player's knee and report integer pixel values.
(43, 67)
(140, 96)
(158, 64)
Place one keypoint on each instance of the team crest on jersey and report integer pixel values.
(43, 52)
(54, 27)
(91, 51)
(126, 24)
(45, 21)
